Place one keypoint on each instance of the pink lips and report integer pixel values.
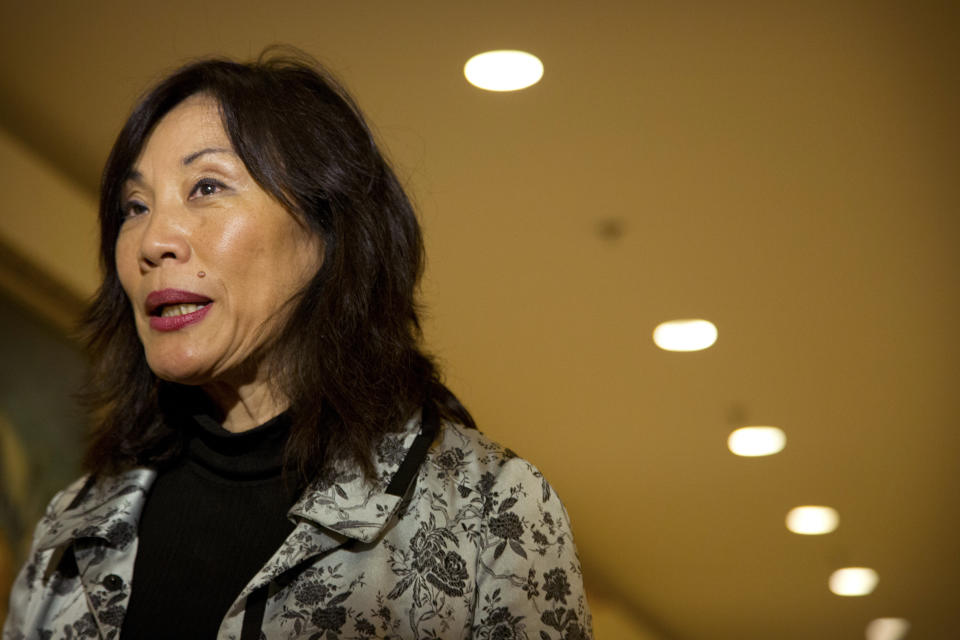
(158, 299)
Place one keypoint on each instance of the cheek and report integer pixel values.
(301, 261)
(274, 252)
(303, 252)
(125, 261)
(310, 249)
(235, 238)
(241, 254)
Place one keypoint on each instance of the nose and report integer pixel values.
(165, 237)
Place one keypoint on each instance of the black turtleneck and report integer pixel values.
(210, 522)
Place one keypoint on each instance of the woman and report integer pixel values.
(275, 456)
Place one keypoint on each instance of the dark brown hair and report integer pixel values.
(348, 357)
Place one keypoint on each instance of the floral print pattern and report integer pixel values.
(480, 547)
(86, 550)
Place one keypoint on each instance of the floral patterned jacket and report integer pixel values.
(478, 546)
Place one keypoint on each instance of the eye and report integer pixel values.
(133, 208)
(206, 187)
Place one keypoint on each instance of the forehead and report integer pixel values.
(192, 125)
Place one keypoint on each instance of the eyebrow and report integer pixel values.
(136, 176)
(196, 154)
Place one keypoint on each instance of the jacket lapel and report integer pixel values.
(102, 509)
(92, 530)
(357, 507)
(96, 523)
(350, 508)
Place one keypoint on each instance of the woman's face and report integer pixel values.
(206, 257)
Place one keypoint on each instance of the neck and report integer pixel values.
(245, 405)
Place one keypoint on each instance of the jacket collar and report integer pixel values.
(349, 507)
(348, 504)
(357, 507)
(108, 509)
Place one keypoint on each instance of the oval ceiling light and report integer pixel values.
(757, 441)
(888, 629)
(503, 70)
(853, 581)
(812, 520)
(685, 335)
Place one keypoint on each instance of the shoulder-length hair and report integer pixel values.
(347, 357)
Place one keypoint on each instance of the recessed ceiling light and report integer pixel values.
(888, 629)
(757, 441)
(812, 520)
(853, 581)
(685, 335)
(503, 70)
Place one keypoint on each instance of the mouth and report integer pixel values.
(169, 303)
(173, 310)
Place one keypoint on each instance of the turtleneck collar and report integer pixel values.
(249, 455)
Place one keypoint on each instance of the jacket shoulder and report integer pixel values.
(33, 588)
(481, 470)
(469, 455)
(65, 498)
(528, 575)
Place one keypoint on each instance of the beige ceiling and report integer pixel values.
(787, 170)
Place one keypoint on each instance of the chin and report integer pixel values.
(183, 371)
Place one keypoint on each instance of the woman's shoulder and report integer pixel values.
(89, 490)
(467, 452)
(511, 525)
(64, 498)
(92, 504)
(479, 469)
